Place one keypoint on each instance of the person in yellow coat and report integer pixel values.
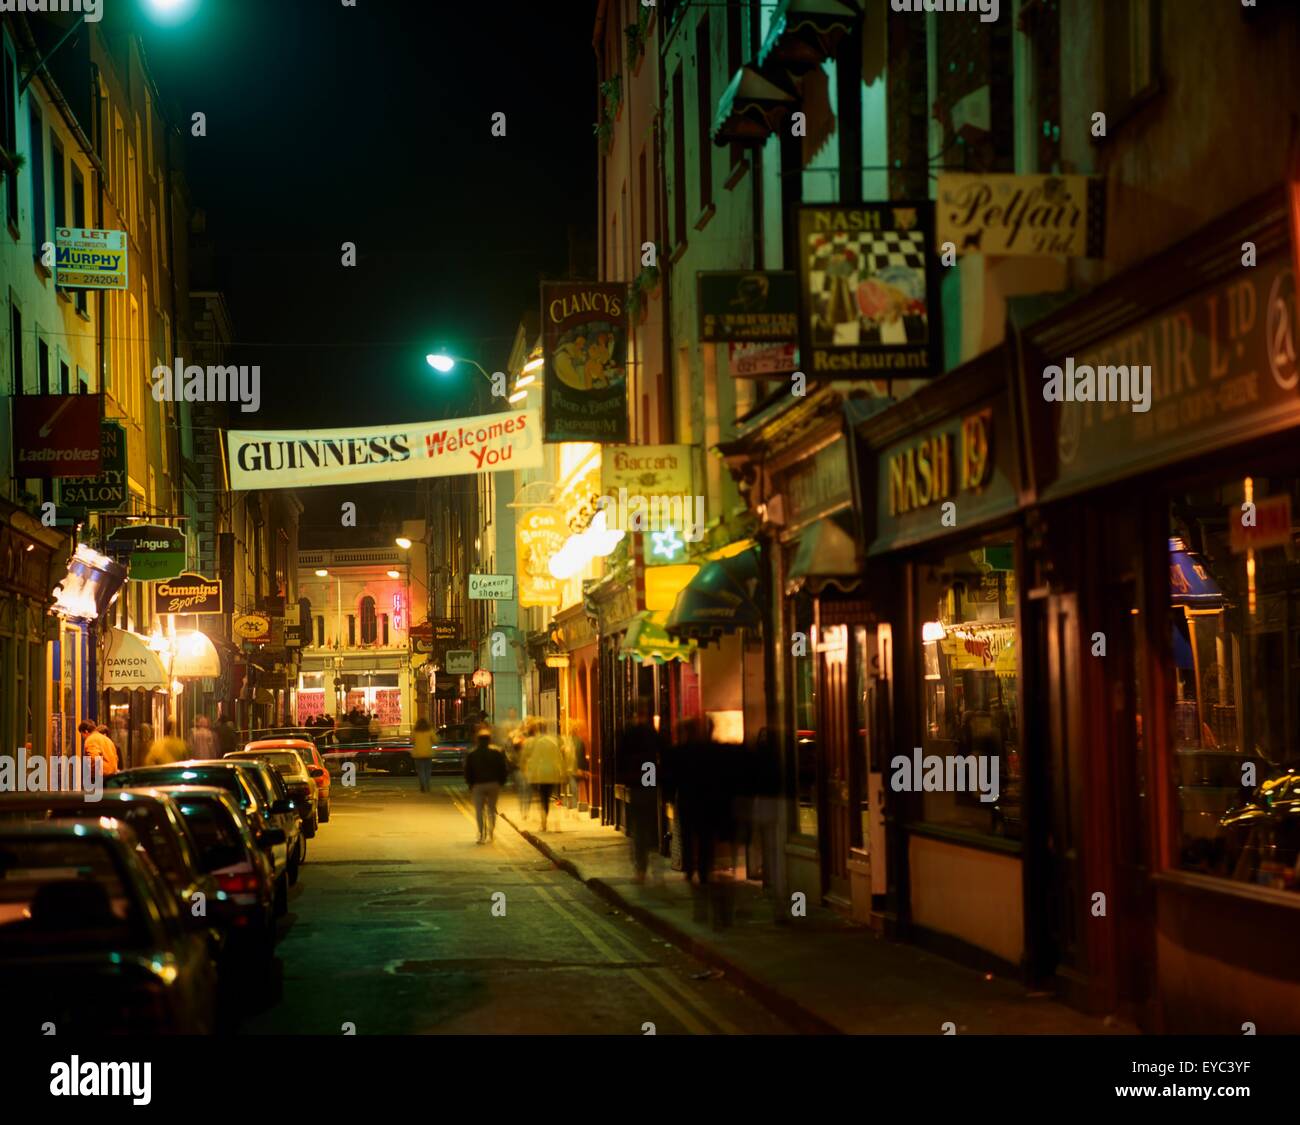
(422, 737)
(167, 749)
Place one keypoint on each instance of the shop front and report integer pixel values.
(579, 691)
(938, 682)
(1164, 556)
(620, 684)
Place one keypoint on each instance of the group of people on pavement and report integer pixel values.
(723, 797)
(111, 746)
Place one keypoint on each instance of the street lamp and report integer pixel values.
(443, 363)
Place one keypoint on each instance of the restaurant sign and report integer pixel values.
(868, 291)
(740, 305)
(584, 342)
(1024, 216)
(187, 593)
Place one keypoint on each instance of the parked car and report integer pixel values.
(451, 747)
(311, 758)
(91, 939)
(161, 833)
(284, 812)
(301, 785)
(389, 753)
(227, 776)
(242, 868)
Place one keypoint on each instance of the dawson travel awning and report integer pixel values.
(720, 599)
(827, 556)
(647, 639)
(131, 663)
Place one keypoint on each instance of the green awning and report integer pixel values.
(647, 639)
(751, 108)
(805, 33)
(722, 598)
(827, 556)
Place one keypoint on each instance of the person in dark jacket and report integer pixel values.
(485, 773)
(640, 746)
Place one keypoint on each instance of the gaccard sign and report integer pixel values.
(488, 443)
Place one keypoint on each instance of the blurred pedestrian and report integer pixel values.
(121, 741)
(765, 782)
(544, 765)
(167, 749)
(639, 747)
(422, 752)
(485, 773)
(523, 788)
(203, 743)
(227, 737)
(580, 764)
(375, 729)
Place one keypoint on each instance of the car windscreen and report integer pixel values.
(259, 780)
(285, 762)
(65, 894)
(220, 778)
(220, 842)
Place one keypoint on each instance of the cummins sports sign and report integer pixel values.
(487, 443)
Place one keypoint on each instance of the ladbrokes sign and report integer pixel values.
(187, 593)
(487, 443)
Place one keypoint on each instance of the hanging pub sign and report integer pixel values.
(488, 443)
(584, 342)
(187, 593)
(57, 435)
(741, 305)
(868, 291)
(1024, 216)
(106, 491)
(90, 259)
(252, 627)
(152, 552)
(539, 534)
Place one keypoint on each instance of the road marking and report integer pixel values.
(588, 931)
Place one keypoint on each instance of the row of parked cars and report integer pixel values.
(386, 752)
(154, 909)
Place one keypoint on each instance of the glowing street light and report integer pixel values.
(322, 574)
(403, 542)
(394, 574)
(439, 362)
(517, 396)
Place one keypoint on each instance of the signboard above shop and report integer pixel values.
(491, 587)
(57, 435)
(151, 551)
(539, 535)
(90, 259)
(1023, 216)
(254, 628)
(584, 342)
(488, 443)
(460, 661)
(187, 593)
(662, 470)
(868, 291)
(743, 305)
(106, 491)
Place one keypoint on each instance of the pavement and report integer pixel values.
(819, 973)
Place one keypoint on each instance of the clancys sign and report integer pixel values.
(452, 447)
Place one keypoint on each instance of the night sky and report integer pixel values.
(372, 125)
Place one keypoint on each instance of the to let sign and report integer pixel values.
(491, 587)
(90, 259)
(57, 435)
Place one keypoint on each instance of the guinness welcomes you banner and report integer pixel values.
(584, 341)
(487, 443)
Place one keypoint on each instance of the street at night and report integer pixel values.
(567, 525)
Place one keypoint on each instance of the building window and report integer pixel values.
(43, 366)
(1040, 97)
(16, 345)
(352, 630)
(9, 130)
(37, 144)
(1234, 596)
(1132, 46)
(969, 776)
(79, 221)
(320, 631)
(369, 622)
(799, 619)
(59, 183)
(679, 159)
(65, 378)
(704, 111)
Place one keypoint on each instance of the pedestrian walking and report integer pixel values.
(97, 745)
(422, 752)
(544, 764)
(167, 749)
(523, 788)
(227, 737)
(202, 742)
(580, 768)
(485, 773)
(640, 746)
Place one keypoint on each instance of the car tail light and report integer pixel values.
(241, 884)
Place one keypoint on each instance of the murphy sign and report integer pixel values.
(488, 443)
